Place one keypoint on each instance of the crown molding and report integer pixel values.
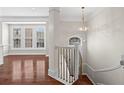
(23, 16)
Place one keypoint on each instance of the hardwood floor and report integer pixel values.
(30, 70)
(83, 80)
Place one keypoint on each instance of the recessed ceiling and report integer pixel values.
(67, 13)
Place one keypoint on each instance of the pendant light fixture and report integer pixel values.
(83, 26)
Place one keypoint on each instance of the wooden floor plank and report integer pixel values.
(30, 70)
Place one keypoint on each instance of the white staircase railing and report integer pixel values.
(67, 59)
(1, 54)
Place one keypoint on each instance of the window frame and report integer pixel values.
(15, 38)
(34, 42)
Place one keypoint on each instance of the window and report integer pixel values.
(29, 36)
(74, 40)
(40, 37)
(17, 37)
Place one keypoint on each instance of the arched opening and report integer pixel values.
(74, 40)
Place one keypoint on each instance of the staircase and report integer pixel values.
(67, 59)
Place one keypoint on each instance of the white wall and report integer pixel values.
(68, 29)
(105, 45)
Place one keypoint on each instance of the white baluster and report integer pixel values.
(68, 65)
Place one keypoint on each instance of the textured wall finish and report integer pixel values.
(105, 44)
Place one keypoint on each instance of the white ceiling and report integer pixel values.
(67, 13)
(24, 11)
(75, 13)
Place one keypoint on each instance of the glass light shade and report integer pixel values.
(83, 28)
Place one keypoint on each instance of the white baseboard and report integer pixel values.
(89, 78)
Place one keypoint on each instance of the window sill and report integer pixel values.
(28, 49)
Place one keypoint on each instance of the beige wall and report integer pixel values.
(105, 45)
